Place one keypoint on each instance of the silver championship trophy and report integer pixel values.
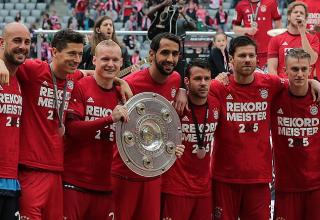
(147, 142)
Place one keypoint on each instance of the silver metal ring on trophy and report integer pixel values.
(147, 142)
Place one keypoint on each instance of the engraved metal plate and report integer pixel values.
(147, 142)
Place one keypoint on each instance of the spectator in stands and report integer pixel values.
(135, 58)
(88, 22)
(55, 21)
(127, 11)
(46, 22)
(18, 17)
(114, 5)
(81, 7)
(201, 14)
(72, 21)
(221, 19)
(103, 29)
(191, 11)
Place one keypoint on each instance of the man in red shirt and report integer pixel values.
(46, 92)
(187, 184)
(14, 48)
(313, 24)
(296, 142)
(257, 17)
(138, 197)
(242, 167)
(295, 37)
(91, 136)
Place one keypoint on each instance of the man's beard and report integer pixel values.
(161, 69)
(10, 58)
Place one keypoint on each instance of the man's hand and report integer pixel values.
(167, 2)
(181, 101)
(302, 26)
(179, 150)
(223, 78)
(252, 30)
(120, 112)
(4, 73)
(315, 89)
(125, 92)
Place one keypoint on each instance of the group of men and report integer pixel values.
(57, 130)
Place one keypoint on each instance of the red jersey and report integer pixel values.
(142, 81)
(267, 12)
(314, 19)
(296, 141)
(41, 146)
(242, 147)
(88, 150)
(191, 176)
(10, 112)
(279, 45)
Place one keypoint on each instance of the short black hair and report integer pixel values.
(65, 36)
(241, 41)
(198, 62)
(155, 43)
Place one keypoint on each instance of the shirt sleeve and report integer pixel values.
(315, 43)
(275, 13)
(238, 16)
(273, 48)
(29, 70)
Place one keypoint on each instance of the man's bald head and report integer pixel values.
(13, 27)
(15, 43)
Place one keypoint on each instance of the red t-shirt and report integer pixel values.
(296, 141)
(279, 45)
(242, 148)
(314, 19)
(267, 12)
(191, 176)
(88, 152)
(41, 146)
(139, 82)
(10, 113)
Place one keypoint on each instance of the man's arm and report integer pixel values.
(277, 24)
(273, 66)
(154, 9)
(244, 30)
(302, 27)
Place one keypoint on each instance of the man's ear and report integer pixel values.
(186, 82)
(94, 60)
(98, 30)
(2, 43)
(54, 51)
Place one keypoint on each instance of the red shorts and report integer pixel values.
(247, 201)
(86, 205)
(41, 195)
(297, 205)
(181, 207)
(136, 200)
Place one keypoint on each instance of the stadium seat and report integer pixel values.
(41, 6)
(14, 1)
(24, 1)
(4, 13)
(33, 1)
(36, 13)
(13, 12)
(30, 19)
(9, 6)
(8, 19)
(25, 12)
(20, 6)
(30, 6)
(1, 5)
